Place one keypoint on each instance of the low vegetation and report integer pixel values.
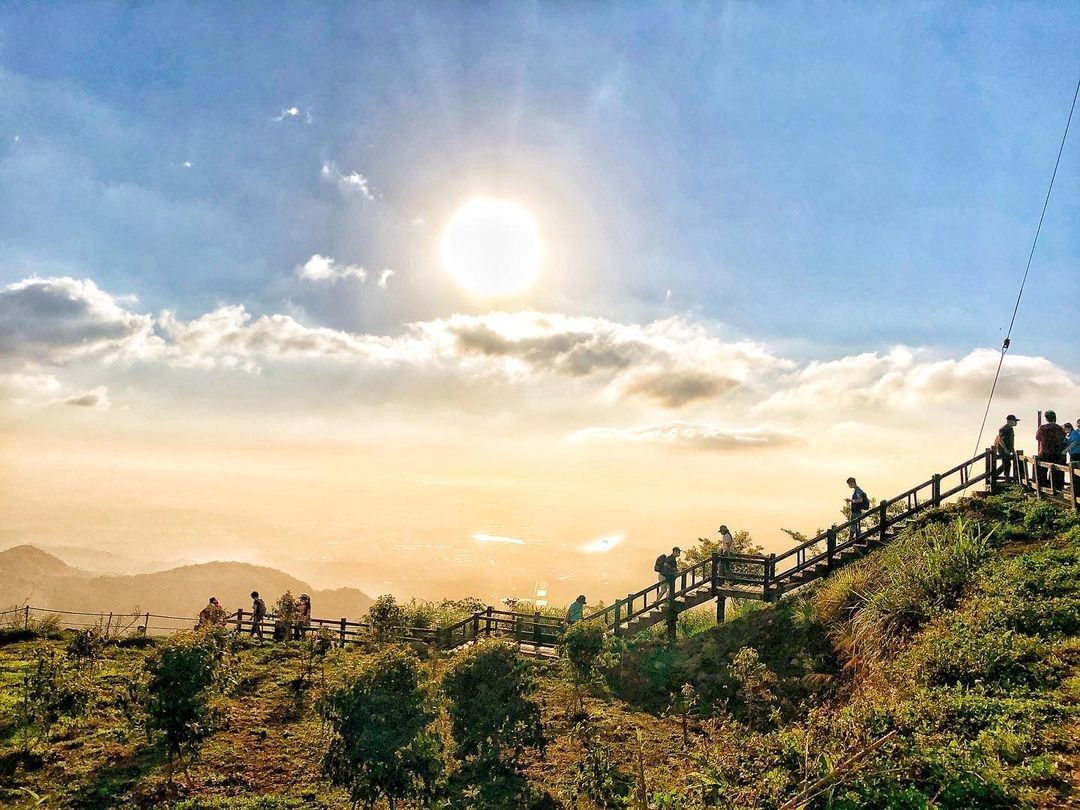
(941, 671)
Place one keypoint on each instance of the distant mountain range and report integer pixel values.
(29, 575)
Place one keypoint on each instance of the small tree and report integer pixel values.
(177, 695)
(50, 692)
(381, 741)
(386, 619)
(753, 680)
(682, 705)
(595, 776)
(492, 715)
(287, 614)
(583, 644)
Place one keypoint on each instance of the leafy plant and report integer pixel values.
(381, 741)
(287, 616)
(386, 619)
(583, 644)
(754, 681)
(177, 695)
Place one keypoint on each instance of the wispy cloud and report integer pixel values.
(351, 182)
(293, 114)
(384, 277)
(696, 436)
(324, 269)
(479, 537)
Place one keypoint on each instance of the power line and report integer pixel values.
(1031, 255)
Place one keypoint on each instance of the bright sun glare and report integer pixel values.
(492, 247)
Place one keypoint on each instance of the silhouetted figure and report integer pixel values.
(1005, 446)
(859, 503)
(666, 566)
(1051, 440)
(258, 613)
(576, 611)
(303, 620)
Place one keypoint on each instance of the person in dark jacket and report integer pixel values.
(303, 620)
(258, 613)
(1051, 440)
(859, 503)
(1005, 446)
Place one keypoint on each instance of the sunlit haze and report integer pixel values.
(486, 299)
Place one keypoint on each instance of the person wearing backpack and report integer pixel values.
(666, 566)
(859, 503)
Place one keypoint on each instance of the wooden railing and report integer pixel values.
(767, 577)
(1049, 480)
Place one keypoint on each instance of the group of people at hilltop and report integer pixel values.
(1057, 444)
(215, 614)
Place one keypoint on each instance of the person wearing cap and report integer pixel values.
(1051, 439)
(1005, 445)
(727, 542)
(859, 502)
(576, 611)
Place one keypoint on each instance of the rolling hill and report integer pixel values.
(29, 575)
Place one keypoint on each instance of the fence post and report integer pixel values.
(538, 633)
(1073, 481)
(476, 624)
(341, 631)
(1038, 478)
(883, 520)
(830, 546)
(239, 620)
(715, 571)
(487, 621)
(26, 621)
(618, 610)
(108, 625)
(146, 624)
(935, 486)
(720, 602)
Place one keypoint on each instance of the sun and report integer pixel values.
(492, 247)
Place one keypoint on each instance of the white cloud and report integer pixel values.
(323, 268)
(384, 277)
(695, 436)
(497, 538)
(347, 183)
(97, 399)
(293, 114)
(905, 378)
(28, 387)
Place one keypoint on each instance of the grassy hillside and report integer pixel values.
(941, 671)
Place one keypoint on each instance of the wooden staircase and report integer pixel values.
(769, 577)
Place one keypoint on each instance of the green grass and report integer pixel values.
(960, 640)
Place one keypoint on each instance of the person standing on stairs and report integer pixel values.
(1051, 440)
(576, 611)
(859, 503)
(1005, 446)
(1072, 449)
(667, 565)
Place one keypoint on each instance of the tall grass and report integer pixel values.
(872, 605)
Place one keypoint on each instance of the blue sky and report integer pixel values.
(844, 176)
(782, 242)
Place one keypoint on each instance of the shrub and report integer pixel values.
(287, 615)
(595, 776)
(386, 619)
(582, 644)
(177, 694)
(492, 714)
(49, 692)
(381, 743)
(754, 681)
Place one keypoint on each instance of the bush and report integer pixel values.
(582, 644)
(50, 692)
(287, 616)
(492, 715)
(381, 741)
(386, 619)
(177, 694)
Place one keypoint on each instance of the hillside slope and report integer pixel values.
(31, 576)
(942, 671)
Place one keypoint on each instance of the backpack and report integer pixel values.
(660, 566)
(862, 507)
